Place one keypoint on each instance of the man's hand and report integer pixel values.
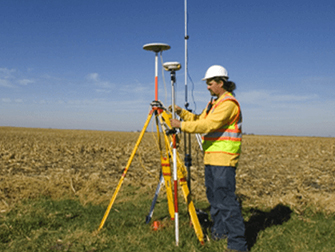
(175, 123)
(177, 109)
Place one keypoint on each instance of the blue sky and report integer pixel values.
(81, 64)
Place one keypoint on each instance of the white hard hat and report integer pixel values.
(215, 71)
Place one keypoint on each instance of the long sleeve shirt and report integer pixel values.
(204, 123)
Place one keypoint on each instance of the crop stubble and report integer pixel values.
(294, 171)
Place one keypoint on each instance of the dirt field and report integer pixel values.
(296, 171)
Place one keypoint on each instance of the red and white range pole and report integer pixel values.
(173, 67)
(156, 76)
(175, 182)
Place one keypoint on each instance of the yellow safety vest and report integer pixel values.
(226, 139)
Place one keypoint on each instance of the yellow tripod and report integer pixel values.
(163, 119)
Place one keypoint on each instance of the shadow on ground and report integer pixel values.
(260, 220)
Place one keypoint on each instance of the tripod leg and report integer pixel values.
(166, 169)
(148, 218)
(165, 176)
(125, 171)
(190, 206)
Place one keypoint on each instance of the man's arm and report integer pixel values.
(221, 115)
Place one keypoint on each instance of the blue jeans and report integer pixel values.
(225, 209)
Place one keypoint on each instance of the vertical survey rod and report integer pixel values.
(156, 76)
(173, 67)
(187, 136)
(174, 151)
(186, 53)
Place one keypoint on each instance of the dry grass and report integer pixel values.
(295, 171)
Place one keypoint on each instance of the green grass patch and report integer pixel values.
(307, 232)
(67, 225)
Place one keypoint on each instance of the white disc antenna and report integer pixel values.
(156, 47)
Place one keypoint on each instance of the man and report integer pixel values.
(220, 123)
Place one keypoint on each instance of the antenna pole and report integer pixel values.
(173, 67)
(187, 136)
(156, 48)
(186, 65)
(156, 76)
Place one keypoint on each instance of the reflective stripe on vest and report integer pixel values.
(226, 139)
